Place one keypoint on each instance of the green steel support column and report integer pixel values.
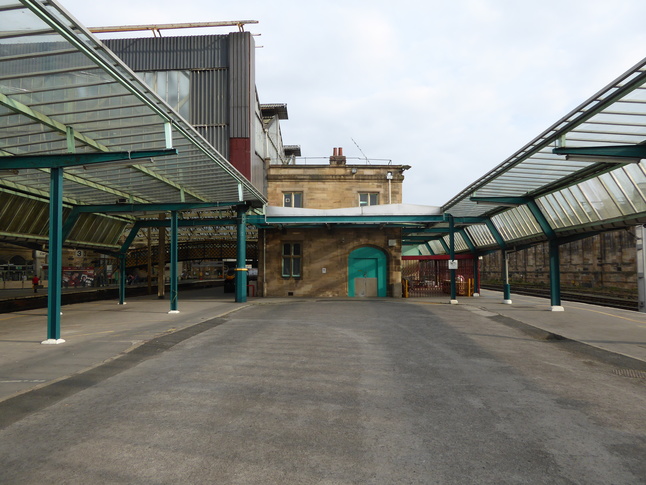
(452, 258)
(555, 277)
(55, 257)
(173, 262)
(122, 279)
(506, 287)
(241, 269)
(476, 275)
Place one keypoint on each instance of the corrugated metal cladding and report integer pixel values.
(217, 136)
(242, 83)
(209, 97)
(210, 107)
(172, 53)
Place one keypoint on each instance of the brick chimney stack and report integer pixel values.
(337, 157)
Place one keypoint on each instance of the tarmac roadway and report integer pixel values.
(327, 391)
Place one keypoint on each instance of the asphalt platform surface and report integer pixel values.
(324, 391)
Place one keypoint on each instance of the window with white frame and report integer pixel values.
(292, 199)
(368, 198)
(292, 259)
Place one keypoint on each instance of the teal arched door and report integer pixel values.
(367, 272)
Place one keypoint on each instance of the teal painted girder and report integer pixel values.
(165, 207)
(447, 250)
(420, 239)
(77, 159)
(513, 201)
(540, 218)
(467, 239)
(496, 234)
(428, 230)
(351, 219)
(634, 152)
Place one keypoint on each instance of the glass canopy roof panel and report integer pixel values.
(54, 75)
(436, 247)
(480, 235)
(616, 115)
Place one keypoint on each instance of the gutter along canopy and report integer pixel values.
(62, 92)
(583, 175)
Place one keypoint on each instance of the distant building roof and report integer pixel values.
(292, 150)
(269, 110)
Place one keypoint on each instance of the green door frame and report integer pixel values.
(369, 252)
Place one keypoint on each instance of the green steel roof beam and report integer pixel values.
(131, 237)
(467, 240)
(428, 230)
(430, 249)
(352, 219)
(418, 239)
(186, 222)
(470, 220)
(600, 154)
(515, 202)
(500, 201)
(496, 234)
(540, 218)
(447, 250)
(78, 159)
(46, 120)
(152, 207)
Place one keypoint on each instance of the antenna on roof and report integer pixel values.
(364, 155)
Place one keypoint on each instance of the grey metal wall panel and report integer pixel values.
(242, 84)
(172, 53)
(217, 136)
(209, 97)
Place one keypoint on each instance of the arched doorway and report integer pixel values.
(367, 272)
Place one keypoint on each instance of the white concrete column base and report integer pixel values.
(476, 294)
(507, 302)
(174, 311)
(557, 308)
(121, 303)
(53, 341)
(454, 302)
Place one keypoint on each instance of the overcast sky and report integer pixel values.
(450, 87)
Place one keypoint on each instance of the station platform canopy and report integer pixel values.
(583, 175)
(63, 95)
